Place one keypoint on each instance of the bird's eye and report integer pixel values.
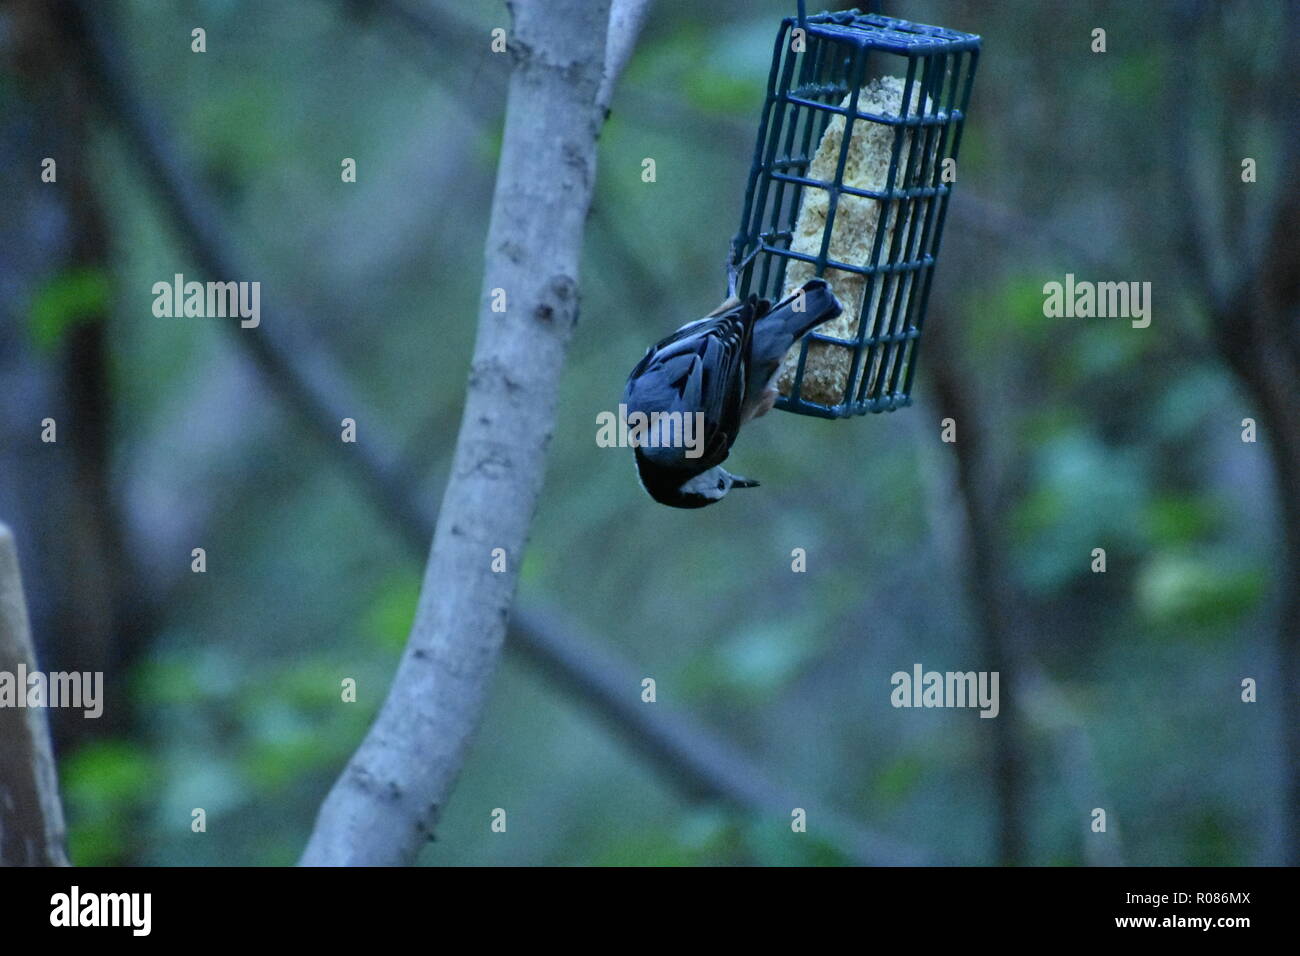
(722, 484)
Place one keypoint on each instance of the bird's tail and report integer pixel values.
(777, 331)
(806, 308)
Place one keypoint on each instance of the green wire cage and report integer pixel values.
(852, 172)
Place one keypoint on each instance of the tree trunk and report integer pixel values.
(384, 807)
(31, 817)
(1258, 340)
(992, 598)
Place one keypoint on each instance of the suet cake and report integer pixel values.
(857, 219)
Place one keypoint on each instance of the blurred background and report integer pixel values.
(1120, 690)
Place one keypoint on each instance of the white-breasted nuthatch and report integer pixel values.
(721, 371)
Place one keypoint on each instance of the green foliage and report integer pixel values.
(70, 298)
(704, 836)
(771, 842)
(170, 680)
(1192, 594)
(282, 755)
(1211, 838)
(1137, 78)
(296, 721)
(102, 783)
(715, 836)
(1098, 352)
(388, 619)
(1107, 436)
(1084, 496)
(723, 80)
(1182, 519)
(896, 779)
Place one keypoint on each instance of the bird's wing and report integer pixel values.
(700, 367)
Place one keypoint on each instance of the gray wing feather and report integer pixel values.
(700, 367)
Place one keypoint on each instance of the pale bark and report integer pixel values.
(31, 816)
(384, 807)
(626, 17)
(694, 760)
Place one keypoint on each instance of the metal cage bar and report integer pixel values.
(806, 88)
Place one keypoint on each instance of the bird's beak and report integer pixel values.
(738, 482)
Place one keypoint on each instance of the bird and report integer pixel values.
(720, 371)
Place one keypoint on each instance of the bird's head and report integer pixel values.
(667, 486)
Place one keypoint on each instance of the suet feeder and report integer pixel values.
(850, 181)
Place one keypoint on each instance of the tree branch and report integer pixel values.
(384, 807)
(31, 816)
(686, 753)
(1254, 314)
(700, 764)
(626, 17)
(994, 605)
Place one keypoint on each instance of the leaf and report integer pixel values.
(1194, 594)
(107, 774)
(1181, 519)
(71, 298)
(102, 783)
